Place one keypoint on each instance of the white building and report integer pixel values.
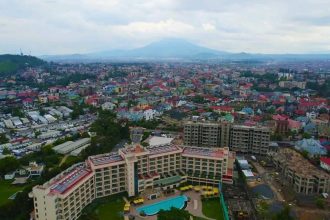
(149, 114)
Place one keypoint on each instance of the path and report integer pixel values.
(63, 160)
(263, 175)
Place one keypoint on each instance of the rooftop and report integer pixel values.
(299, 164)
(102, 159)
(206, 152)
(162, 149)
(69, 180)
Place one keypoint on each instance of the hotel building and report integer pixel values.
(132, 169)
(239, 138)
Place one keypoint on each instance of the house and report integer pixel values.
(10, 176)
(27, 102)
(312, 146)
(224, 109)
(34, 169)
(325, 163)
(310, 128)
(149, 114)
(108, 106)
(294, 125)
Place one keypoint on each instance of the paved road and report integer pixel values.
(264, 175)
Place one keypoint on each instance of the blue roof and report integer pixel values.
(312, 146)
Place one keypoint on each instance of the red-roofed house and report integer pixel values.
(325, 163)
(294, 125)
(27, 102)
(220, 109)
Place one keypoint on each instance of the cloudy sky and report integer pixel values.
(79, 26)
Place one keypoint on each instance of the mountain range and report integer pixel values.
(175, 49)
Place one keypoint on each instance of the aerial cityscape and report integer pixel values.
(164, 110)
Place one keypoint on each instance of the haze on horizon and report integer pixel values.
(81, 26)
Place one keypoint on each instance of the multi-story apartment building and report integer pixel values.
(304, 177)
(132, 169)
(206, 134)
(249, 139)
(244, 139)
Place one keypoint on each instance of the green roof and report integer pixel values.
(168, 181)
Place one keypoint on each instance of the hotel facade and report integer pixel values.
(132, 169)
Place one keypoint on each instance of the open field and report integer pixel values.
(6, 190)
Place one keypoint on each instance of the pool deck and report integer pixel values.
(194, 207)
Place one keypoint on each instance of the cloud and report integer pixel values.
(78, 26)
(208, 27)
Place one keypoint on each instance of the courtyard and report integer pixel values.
(207, 208)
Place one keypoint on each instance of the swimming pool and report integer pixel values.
(153, 209)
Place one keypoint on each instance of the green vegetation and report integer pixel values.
(306, 136)
(3, 139)
(173, 214)
(18, 112)
(152, 124)
(284, 214)
(7, 165)
(212, 209)
(110, 207)
(198, 99)
(6, 151)
(109, 132)
(146, 134)
(11, 64)
(263, 210)
(320, 203)
(323, 90)
(6, 190)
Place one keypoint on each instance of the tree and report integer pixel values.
(263, 210)
(173, 214)
(320, 203)
(6, 151)
(306, 135)
(8, 164)
(304, 153)
(284, 214)
(323, 111)
(3, 139)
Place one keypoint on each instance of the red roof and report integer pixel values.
(280, 117)
(28, 100)
(222, 108)
(325, 160)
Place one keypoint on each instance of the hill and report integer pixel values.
(11, 64)
(170, 48)
(178, 49)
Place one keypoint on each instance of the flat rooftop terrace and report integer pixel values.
(105, 159)
(206, 152)
(162, 149)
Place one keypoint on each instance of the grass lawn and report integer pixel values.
(111, 210)
(212, 209)
(6, 190)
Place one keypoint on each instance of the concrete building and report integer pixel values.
(243, 139)
(249, 139)
(304, 177)
(132, 169)
(206, 134)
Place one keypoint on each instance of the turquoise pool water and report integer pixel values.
(153, 209)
